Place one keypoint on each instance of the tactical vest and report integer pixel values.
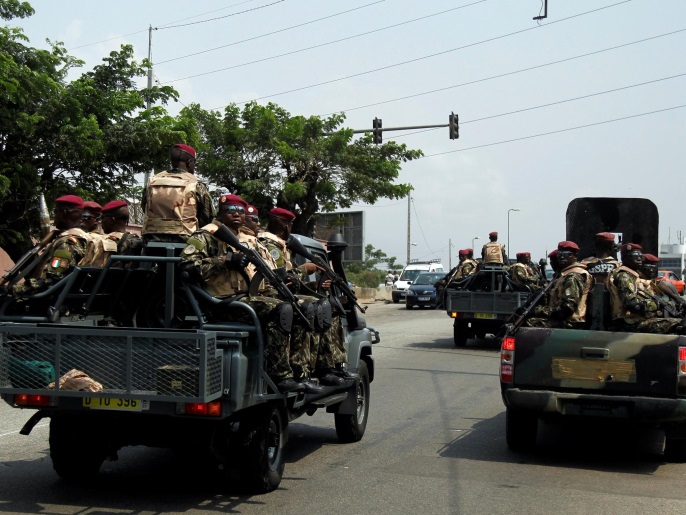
(278, 249)
(601, 269)
(248, 237)
(227, 282)
(618, 309)
(557, 293)
(171, 204)
(528, 273)
(99, 248)
(462, 273)
(493, 253)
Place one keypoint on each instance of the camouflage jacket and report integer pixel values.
(569, 294)
(523, 275)
(626, 300)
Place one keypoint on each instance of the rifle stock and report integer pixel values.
(225, 235)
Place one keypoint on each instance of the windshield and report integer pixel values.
(661, 273)
(427, 278)
(410, 275)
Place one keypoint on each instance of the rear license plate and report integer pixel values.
(116, 404)
(485, 315)
(424, 299)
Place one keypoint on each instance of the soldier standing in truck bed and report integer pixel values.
(493, 253)
(631, 310)
(567, 302)
(176, 203)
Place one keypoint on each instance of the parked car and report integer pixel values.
(671, 277)
(422, 291)
(410, 273)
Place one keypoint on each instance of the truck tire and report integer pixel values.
(460, 335)
(675, 449)
(395, 301)
(77, 448)
(261, 449)
(521, 429)
(350, 428)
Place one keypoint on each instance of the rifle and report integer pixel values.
(26, 263)
(661, 304)
(336, 280)
(225, 235)
(522, 312)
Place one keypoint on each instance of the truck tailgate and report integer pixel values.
(484, 302)
(574, 360)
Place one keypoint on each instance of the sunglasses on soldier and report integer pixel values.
(234, 209)
(254, 218)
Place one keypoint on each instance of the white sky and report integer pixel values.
(463, 191)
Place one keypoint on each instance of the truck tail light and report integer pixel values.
(31, 401)
(204, 409)
(682, 361)
(507, 351)
(455, 314)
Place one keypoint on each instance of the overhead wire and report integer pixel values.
(555, 132)
(421, 58)
(292, 52)
(414, 207)
(219, 17)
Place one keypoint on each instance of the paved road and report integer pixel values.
(434, 444)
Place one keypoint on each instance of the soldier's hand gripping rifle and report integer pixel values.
(225, 235)
(336, 280)
(661, 304)
(521, 313)
(25, 264)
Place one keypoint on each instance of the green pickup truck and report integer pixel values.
(594, 373)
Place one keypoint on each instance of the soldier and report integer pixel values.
(224, 275)
(605, 259)
(252, 220)
(176, 203)
(61, 254)
(633, 311)
(115, 238)
(493, 253)
(466, 267)
(523, 275)
(567, 303)
(663, 290)
(554, 264)
(324, 355)
(91, 217)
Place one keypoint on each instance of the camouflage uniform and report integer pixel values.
(207, 254)
(523, 275)
(58, 257)
(567, 302)
(632, 310)
(465, 269)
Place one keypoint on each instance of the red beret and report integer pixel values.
(463, 252)
(568, 245)
(649, 258)
(494, 233)
(70, 199)
(471, 251)
(232, 200)
(523, 254)
(186, 148)
(91, 206)
(282, 213)
(605, 236)
(628, 247)
(553, 254)
(114, 204)
(252, 210)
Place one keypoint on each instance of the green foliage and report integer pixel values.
(365, 274)
(272, 158)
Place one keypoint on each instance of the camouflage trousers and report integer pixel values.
(276, 341)
(654, 325)
(549, 323)
(332, 348)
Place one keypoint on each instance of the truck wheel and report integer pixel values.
(395, 301)
(350, 428)
(675, 449)
(76, 448)
(521, 429)
(260, 451)
(408, 306)
(460, 335)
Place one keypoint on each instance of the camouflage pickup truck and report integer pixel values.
(592, 373)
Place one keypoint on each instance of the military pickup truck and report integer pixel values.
(481, 303)
(135, 354)
(594, 373)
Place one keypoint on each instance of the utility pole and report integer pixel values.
(147, 103)
(450, 254)
(409, 199)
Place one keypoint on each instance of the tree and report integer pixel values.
(366, 273)
(272, 158)
(89, 136)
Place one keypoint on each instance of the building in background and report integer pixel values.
(350, 224)
(672, 258)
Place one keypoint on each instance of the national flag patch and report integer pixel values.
(59, 263)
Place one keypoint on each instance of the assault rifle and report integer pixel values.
(336, 280)
(225, 235)
(661, 304)
(517, 318)
(26, 263)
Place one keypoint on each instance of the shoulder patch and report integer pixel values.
(275, 254)
(189, 249)
(196, 243)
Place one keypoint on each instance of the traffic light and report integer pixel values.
(378, 133)
(454, 125)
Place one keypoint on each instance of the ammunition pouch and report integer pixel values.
(322, 321)
(309, 310)
(284, 316)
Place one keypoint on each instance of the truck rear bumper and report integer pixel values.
(647, 409)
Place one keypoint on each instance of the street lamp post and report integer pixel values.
(473, 239)
(508, 234)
